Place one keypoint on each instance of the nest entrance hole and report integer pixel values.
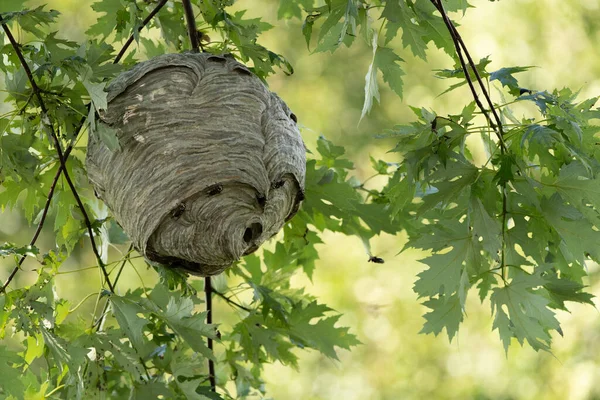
(253, 232)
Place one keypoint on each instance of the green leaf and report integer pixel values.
(562, 290)
(126, 312)
(17, 85)
(384, 60)
(387, 62)
(579, 238)
(292, 8)
(10, 373)
(9, 6)
(321, 335)
(446, 313)
(434, 26)
(29, 20)
(371, 86)
(457, 5)
(109, 21)
(506, 78)
(485, 226)
(573, 185)
(341, 21)
(307, 28)
(8, 249)
(109, 136)
(97, 94)
(191, 327)
(64, 354)
(399, 15)
(522, 312)
(445, 269)
(116, 235)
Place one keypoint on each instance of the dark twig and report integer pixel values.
(211, 364)
(70, 146)
(144, 23)
(191, 25)
(483, 89)
(233, 303)
(460, 46)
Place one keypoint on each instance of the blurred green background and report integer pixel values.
(561, 38)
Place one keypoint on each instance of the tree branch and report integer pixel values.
(211, 364)
(144, 23)
(191, 25)
(459, 45)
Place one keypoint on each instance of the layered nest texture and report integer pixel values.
(211, 163)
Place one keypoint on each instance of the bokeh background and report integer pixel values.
(561, 38)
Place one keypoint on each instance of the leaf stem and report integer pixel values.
(232, 302)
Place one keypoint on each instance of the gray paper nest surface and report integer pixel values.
(211, 162)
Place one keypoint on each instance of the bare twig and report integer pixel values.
(191, 25)
(211, 364)
(459, 46)
(144, 23)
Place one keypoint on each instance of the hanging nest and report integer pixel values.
(211, 163)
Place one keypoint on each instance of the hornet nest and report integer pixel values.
(211, 163)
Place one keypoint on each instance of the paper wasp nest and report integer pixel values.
(211, 162)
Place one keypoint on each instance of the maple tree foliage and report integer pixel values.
(516, 229)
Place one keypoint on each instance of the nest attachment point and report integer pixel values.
(211, 163)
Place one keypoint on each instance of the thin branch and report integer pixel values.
(460, 46)
(139, 29)
(209, 311)
(232, 302)
(191, 25)
(98, 324)
(483, 88)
